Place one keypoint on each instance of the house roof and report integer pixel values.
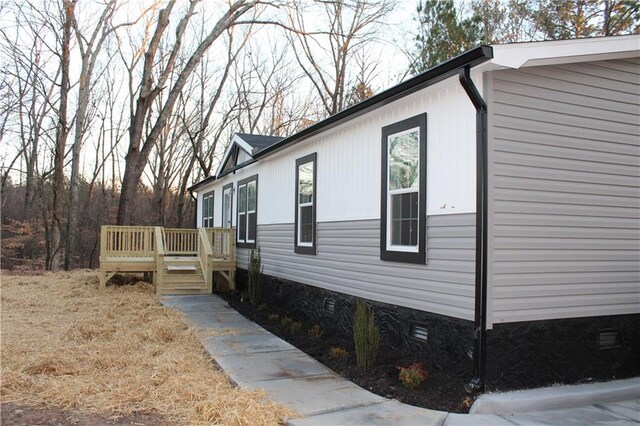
(433, 75)
(259, 142)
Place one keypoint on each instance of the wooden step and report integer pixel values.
(174, 267)
(174, 278)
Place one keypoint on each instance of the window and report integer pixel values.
(305, 216)
(227, 205)
(403, 198)
(247, 212)
(207, 210)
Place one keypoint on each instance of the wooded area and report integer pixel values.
(109, 111)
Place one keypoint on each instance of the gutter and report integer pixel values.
(480, 317)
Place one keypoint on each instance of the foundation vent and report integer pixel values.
(329, 306)
(419, 332)
(609, 339)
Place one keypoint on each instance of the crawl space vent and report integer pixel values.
(609, 339)
(419, 332)
(329, 306)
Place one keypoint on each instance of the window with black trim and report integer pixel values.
(207, 210)
(305, 216)
(403, 209)
(247, 212)
(227, 205)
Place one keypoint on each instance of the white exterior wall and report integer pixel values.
(349, 159)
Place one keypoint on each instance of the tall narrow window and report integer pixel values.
(207, 210)
(305, 216)
(403, 197)
(227, 205)
(247, 211)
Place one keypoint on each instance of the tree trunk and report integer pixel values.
(62, 132)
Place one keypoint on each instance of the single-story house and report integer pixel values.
(487, 209)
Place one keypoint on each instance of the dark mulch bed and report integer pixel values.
(441, 391)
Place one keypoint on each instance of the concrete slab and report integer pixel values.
(629, 409)
(578, 416)
(239, 327)
(245, 344)
(258, 367)
(195, 303)
(316, 395)
(220, 317)
(384, 413)
(455, 419)
(557, 397)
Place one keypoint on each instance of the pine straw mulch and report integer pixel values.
(67, 344)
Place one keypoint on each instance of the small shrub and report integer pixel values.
(315, 332)
(296, 327)
(286, 321)
(337, 352)
(412, 376)
(262, 307)
(273, 317)
(366, 336)
(255, 278)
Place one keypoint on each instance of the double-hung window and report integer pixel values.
(207, 210)
(305, 215)
(403, 197)
(247, 212)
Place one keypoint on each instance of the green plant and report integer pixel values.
(338, 352)
(412, 376)
(255, 277)
(296, 327)
(273, 317)
(315, 332)
(366, 336)
(262, 307)
(286, 321)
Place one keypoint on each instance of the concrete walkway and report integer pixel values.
(256, 359)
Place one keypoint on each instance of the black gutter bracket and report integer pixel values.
(477, 383)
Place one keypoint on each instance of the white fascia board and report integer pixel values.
(237, 140)
(539, 53)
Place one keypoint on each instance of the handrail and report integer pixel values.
(205, 253)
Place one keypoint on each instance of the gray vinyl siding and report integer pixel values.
(348, 261)
(564, 191)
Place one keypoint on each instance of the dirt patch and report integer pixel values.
(441, 391)
(14, 414)
(114, 353)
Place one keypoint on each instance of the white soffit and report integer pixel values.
(517, 55)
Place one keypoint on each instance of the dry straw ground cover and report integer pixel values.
(65, 343)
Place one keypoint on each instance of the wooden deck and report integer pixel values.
(182, 261)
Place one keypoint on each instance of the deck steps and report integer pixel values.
(183, 275)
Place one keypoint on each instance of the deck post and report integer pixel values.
(103, 255)
(159, 251)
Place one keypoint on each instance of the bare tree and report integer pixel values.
(326, 58)
(62, 131)
(90, 44)
(139, 150)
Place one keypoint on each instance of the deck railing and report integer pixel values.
(222, 241)
(180, 241)
(127, 241)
